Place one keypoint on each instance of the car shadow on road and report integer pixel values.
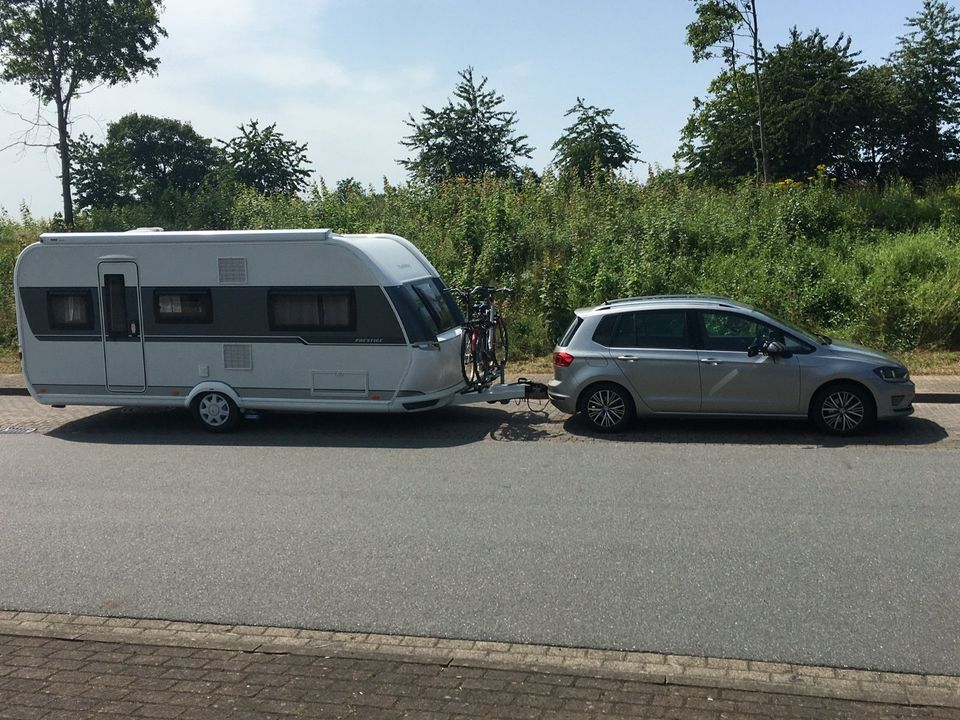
(906, 432)
(447, 427)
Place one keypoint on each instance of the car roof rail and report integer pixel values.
(719, 299)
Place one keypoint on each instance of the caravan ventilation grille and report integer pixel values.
(237, 357)
(233, 270)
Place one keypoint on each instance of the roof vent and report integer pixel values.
(233, 270)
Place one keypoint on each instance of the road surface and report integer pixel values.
(747, 540)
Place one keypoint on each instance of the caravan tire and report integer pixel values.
(216, 412)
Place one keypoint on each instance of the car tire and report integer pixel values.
(843, 409)
(607, 408)
(216, 412)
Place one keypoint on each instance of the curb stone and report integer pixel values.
(655, 668)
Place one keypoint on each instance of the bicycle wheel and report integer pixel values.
(468, 356)
(500, 349)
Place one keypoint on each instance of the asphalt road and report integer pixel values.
(743, 540)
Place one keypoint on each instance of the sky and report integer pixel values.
(344, 75)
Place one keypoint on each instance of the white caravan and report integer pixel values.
(229, 322)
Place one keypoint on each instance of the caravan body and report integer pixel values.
(262, 320)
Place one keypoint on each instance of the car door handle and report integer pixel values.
(628, 358)
(712, 361)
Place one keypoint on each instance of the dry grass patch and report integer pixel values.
(9, 364)
(932, 362)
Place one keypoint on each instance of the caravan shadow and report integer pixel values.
(447, 427)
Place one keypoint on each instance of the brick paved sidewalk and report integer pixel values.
(49, 679)
(74, 666)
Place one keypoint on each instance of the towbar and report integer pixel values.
(503, 393)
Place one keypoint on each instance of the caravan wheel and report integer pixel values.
(216, 412)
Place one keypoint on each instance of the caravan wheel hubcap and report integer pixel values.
(214, 410)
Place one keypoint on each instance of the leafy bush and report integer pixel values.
(879, 266)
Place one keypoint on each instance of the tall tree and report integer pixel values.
(812, 104)
(813, 109)
(63, 48)
(927, 63)
(467, 138)
(879, 124)
(142, 157)
(717, 144)
(592, 141)
(265, 161)
(730, 28)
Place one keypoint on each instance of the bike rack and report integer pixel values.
(503, 393)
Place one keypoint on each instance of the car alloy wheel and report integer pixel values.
(843, 409)
(608, 408)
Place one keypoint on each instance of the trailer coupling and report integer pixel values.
(522, 389)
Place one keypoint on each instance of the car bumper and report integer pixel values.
(561, 399)
(894, 399)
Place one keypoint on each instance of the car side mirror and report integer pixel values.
(775, 349)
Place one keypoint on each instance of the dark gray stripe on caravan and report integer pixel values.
(220, 339)
(239, 314)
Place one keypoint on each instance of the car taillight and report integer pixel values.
(562, 359)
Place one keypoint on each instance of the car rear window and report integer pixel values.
(656, 329)
(571, 331)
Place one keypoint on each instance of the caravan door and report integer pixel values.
(122, 322)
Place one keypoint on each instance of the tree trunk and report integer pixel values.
(63, 147)
(755, 32)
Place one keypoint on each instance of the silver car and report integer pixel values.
(712, 356)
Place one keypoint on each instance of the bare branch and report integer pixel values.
(24, 143)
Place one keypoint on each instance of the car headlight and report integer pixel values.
(892, 374)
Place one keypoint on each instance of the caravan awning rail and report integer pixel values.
(154, 236)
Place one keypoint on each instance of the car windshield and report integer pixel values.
(802, 332)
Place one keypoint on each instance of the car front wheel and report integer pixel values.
(608, 408)
(843, 409)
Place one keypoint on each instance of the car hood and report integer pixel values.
(863, 354)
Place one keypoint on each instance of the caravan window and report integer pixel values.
(302, 310)
(70, 310)
(182, 306)
(433, 307)
(115, 305)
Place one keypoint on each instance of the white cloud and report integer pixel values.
(228, 61)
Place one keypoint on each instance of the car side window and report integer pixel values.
(731, 332)
(797, 347)
(654, 329)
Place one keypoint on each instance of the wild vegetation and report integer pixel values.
(879, 266)
(809, 183)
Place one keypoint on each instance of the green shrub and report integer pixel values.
(877, 265)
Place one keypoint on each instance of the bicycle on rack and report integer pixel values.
(484, 345)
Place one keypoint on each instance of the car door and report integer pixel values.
(654, 350)
(734, 382)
